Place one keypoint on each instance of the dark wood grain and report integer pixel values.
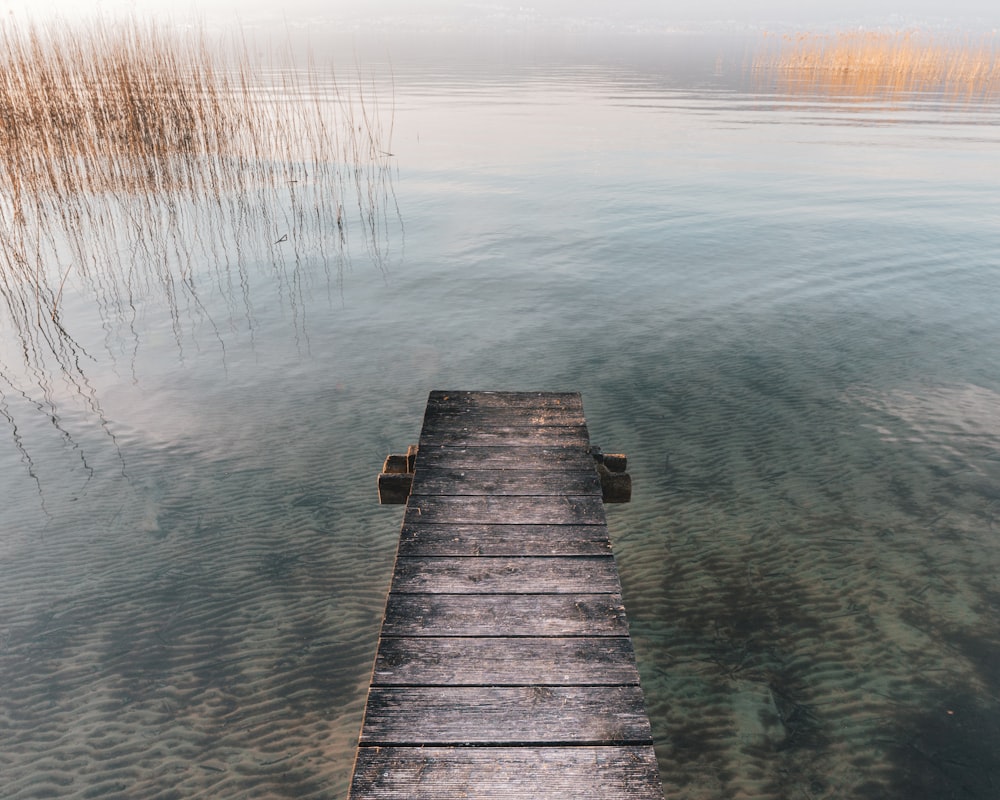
(441, 575)
(505, 661)
(506, 482)
(506, 773)
(522, 417)
(441, 539)
(505, 436)
(476, 510)
(529, 715)
(504, 615)
(480, 456)
(443, 400)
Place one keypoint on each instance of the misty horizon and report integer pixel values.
(543, 15)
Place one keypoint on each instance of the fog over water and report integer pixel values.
(775, 289)
(367, 15)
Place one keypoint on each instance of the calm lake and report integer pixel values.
(779, 299)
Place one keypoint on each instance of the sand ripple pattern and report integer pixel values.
(210, 638)
(813, 600)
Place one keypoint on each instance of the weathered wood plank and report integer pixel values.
(459, 400)
(505, 436)
(508, 661)
(506, 575)
(502, 773)
(504, 615)
(493, 457)
(506, 482)
(436, 539)
(515, 417)
(479, 510)
(530, 715)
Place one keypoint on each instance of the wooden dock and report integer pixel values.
(504, 667)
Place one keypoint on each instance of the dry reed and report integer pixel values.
(148, 166)
(873, 64)
(134, 153)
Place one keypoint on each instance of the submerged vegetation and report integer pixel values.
(866, 64)
(142, 162)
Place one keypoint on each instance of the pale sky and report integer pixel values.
(971, 14)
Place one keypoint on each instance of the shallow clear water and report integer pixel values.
(781, 304)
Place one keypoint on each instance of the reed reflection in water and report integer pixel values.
(146, 163)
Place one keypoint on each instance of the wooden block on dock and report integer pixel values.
(394, 487)
(616, 487)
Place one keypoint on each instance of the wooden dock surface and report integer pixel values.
(504, 667)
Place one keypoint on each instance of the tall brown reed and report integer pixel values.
(867, 64)
(132, 137)
(140, 160)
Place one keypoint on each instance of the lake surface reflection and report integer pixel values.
(781, 304)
